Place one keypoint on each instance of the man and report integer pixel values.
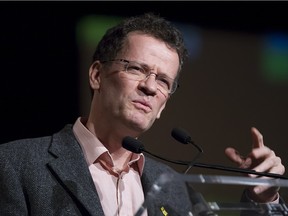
(83, 169)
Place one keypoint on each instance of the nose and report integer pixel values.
(149, 85)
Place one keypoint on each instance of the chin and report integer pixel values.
(140, 127)
(141, 123)
(145, 127)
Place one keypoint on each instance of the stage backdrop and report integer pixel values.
(236, 77)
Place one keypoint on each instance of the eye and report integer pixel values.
(164, 82)
(135, 68)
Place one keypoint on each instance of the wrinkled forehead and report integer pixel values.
(148, 49)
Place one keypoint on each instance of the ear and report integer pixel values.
(94, 75)
(160, 111)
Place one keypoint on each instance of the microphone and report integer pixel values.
(183, 137)
(136, 146)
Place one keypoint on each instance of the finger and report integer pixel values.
(257, 138)
(279, 169)
(234, 155)
(262, 159)
(263, 152)
(272, 165)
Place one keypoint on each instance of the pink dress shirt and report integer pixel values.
(120, 192)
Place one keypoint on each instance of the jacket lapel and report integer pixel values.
(71, 169)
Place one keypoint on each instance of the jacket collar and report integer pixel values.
(71, 170)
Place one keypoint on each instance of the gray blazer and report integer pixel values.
(49, 176)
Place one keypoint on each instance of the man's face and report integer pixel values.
(134, 104)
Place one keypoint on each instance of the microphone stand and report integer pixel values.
(271, 209)
(200, 207)
(215, 166)
(136, 146)
(238, 170)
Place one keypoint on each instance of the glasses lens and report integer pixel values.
(174, 87)
(136, 71)
(139, 72)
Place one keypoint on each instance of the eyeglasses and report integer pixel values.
(139, 72)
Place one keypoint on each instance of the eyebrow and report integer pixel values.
(159, 73)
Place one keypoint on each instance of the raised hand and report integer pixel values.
(261, 159)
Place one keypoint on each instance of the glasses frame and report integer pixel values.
(174, 84)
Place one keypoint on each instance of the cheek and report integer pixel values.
(119, 90)
(160, 110)
(121, 82)
(114, 85)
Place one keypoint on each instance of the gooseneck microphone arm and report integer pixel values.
(183, 137)
(136, 146)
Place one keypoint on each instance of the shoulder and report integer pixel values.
(21, 155)
(153, 165)
(28, 144)
(29, 148)
(154, 169)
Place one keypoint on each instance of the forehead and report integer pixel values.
(151, 51)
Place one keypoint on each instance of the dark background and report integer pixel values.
(39, 55)
(40, 67)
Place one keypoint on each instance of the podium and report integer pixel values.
(200, 206)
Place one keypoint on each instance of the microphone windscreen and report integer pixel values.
(181, 135)
(132, 145)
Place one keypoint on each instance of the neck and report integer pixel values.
(113, 142)
(121, 158)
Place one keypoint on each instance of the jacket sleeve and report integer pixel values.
(264, 209)
(12, 198)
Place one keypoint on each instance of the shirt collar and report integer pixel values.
(93, 148)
